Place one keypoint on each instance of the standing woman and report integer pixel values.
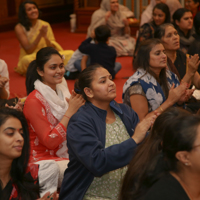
(34, 34)
(18, 180)
(48, 112)
(161, 15)
(101, 138)
(183, 22)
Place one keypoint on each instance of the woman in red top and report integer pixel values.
(18, 180)
(48, 112)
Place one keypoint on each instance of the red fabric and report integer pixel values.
(46, 133)
(33, 169)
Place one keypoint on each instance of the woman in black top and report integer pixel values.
(166, 165)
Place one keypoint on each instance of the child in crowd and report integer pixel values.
(100, 52)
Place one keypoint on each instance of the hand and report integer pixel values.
(3, 81)
(48, 196)
(142, 128)
(175, 94)
(92, 34)
(108, 14)
(75, 102)
(193, 63)
(186, 96)
(19, 105)
(43, 31)
(126, 23)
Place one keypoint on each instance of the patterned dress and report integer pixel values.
(46, 132)
(108, 186)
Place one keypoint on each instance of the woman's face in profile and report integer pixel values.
(53, 71)
(171, 39)
(11, 139)
(31, 11)
(186, 21)
(114, 5)
(103, 89)
(157, 57)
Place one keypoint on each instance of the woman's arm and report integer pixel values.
(192, 76)
(75, 102)
(23, 40)
(139, 102)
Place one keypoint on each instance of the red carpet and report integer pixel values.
(9, 51)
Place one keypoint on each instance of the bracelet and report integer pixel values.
(66, 116)
(161, 108)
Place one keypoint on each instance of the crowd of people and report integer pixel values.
(56, 144)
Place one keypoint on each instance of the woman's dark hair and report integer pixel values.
(23, 19)
(102, 33)
(178, 14)
(160, 31)
(142, 172)
(197, 23)
(179, 136)
(25, 187)
(85, 79)
(142, 60)
(165, 9)
(42, 56)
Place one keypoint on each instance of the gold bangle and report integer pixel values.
(161, 108)
(66, 116)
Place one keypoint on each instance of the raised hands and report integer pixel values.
(175, 94)
(43, 31)
(193, 63)
(75, 102)
(108, 14)
(142, 128)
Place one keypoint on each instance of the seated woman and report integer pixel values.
(101, 139)
(193, 5)
(160, 15)
(34, 34)
(146, 16)
(18, 179)
(166, 164)
(187, 68)
(48, 112)
(152, 86)
(183, 22)
(110, 14)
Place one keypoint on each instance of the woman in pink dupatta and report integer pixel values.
(115, 17)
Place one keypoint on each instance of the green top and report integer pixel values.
(108, 186)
